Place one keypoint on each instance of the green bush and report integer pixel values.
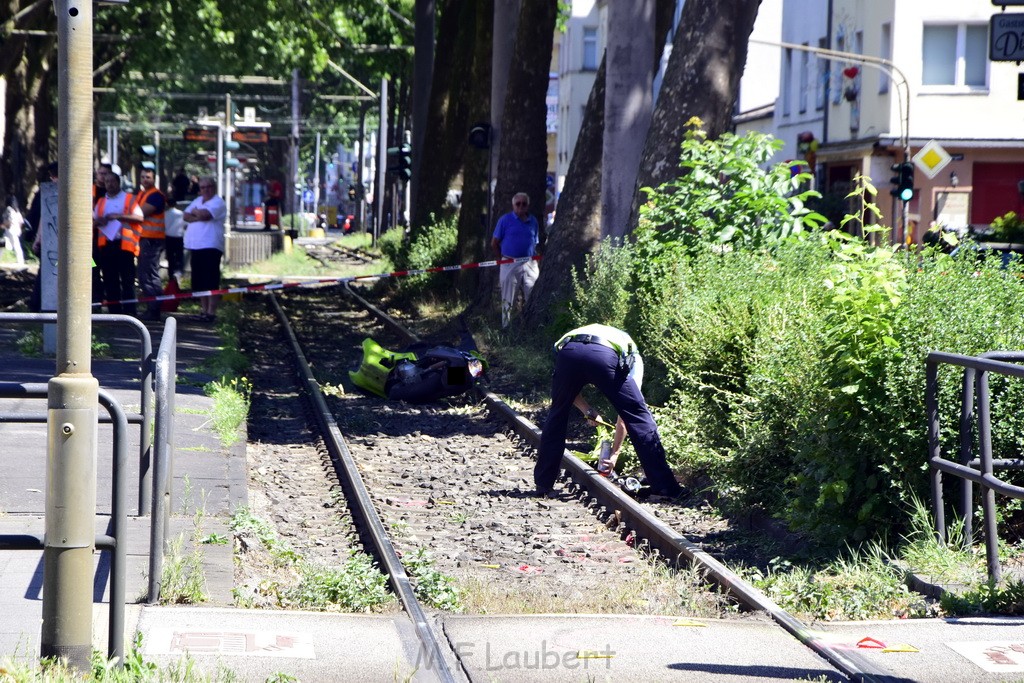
(790, 365)
(1007, 228)
(434, 245)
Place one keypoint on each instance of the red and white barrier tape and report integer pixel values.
(316, 283)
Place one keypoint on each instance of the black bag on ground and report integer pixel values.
(439, 372)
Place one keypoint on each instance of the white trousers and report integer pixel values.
(512, 277)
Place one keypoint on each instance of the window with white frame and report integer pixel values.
(821, 87)
(955, 55)
(787, 82)
(589, 48)
(885, 52)
(805, 59)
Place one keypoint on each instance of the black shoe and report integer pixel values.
(546, 493)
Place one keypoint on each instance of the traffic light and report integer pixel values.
(351, 193)
(400, 161)
(149, 153)
(902, 181)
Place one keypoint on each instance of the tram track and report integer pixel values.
(418, 506)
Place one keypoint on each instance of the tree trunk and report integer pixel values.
(25, 68)
(577, 227)
(474, 228)
(444, 143)
(628, 104)
(523, 148)
(709, 53)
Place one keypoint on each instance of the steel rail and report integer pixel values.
(348, 470)
(668, 541)
(672, 544)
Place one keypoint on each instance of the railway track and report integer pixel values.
(452, 482)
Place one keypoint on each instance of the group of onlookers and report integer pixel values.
(133, 230)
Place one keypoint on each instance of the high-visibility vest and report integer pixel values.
(129, 231)
(152, 226)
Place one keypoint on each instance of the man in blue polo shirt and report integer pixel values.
(515, 236)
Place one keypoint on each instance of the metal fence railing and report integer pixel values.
(117, 544)
(165, 387)
(156, 438)
(144, 417)
(970, 469)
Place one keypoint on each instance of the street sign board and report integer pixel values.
(251, 137)
(932, 159)
(199, 135)
(1004, 3)
(1006, 38)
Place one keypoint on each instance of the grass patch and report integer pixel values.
(31, 344)
(988, 598)
(299, 263)
(863, 586)
(356, 585)
(231, 399)
(944, 563)
(655, 588)
(133, 669)
(433, 587)
(183, 581)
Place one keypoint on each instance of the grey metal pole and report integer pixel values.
(382, 162)
(229, 186)
(295, 144)
(360, 158)
(423, 68)
(73, 392)
(316, 179)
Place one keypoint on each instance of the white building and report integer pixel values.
(858, 114)
(579, 56)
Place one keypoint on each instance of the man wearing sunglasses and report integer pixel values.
(515, 236)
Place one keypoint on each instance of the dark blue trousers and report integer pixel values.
(577, 365)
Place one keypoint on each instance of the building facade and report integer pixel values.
(941, 98)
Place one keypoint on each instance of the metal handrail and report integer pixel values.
(969, 469)
(144, 417)
(118, 542)
(164, 371)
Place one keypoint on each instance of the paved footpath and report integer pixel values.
(259, 644)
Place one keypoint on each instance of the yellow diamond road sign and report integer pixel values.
(932, 159)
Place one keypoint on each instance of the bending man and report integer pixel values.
(607, 358)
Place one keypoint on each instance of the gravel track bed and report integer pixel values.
(292, 482)
(447, 478)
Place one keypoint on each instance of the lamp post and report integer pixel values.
(888, 68)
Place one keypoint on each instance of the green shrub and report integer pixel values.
(434, 245)
(725, 196)
(1007, 228)
(791, 368)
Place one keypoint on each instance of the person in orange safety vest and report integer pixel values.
(116, 218)
(151, 243)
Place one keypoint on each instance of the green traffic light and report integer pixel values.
(906, 194)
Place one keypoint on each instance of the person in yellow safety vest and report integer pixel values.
(151, 243)
(116, 218)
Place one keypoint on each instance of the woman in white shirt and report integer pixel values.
(204, 239)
